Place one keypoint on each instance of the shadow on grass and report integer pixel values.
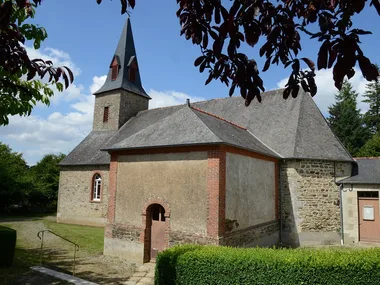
(62, 261)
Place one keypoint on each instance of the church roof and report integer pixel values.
(88, 151)
(125, 55)
(368, 172)
(189, 126)
(292, 128)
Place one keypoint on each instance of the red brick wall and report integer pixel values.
(216, 188)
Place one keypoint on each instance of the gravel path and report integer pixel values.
(58, 254)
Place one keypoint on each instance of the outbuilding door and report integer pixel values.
(157, 231)
(369, 222)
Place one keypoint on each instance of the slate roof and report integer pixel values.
(188, 126)
(292, 128)
(88, 151)
(368, 172)
(125, 54)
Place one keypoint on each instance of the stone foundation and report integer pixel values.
(177, 238)
(265, 234)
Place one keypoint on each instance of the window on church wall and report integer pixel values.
(105, 114)
(96, 188)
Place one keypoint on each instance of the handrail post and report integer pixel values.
(75, 253)
(76, 246)
(42, 244)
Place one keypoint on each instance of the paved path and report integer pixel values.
(144, 275)
(62, 276)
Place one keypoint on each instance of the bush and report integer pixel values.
(7, 245)
(223, 265)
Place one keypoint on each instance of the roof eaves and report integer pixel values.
(160, 146)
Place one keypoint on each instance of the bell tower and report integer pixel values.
(122, 95)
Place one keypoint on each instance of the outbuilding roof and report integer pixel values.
(368, 172)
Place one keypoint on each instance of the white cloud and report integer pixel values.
(60, 132)
(169, 98)
(97, 82)
(327, 89)
(58, 57)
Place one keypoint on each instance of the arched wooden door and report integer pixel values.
(157, 231)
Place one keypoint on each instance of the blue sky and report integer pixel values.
(84, 36)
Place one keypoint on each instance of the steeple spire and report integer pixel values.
(124, 70)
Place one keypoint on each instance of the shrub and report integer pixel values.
(7, 245)
(223, 265)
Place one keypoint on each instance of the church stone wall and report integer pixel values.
(74, 197)
(310, 201)
(250, 201)
(106, 100)
(122, 106)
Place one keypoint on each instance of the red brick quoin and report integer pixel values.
(216, 190)
(112, 196)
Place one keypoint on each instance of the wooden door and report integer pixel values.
(157, 231)
(369, 221)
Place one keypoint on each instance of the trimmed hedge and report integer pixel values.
(7, 245)
(191, 264)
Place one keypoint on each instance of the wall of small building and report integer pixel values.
(250, 201)
(351, 211)
(180, 179)
(310, 202)
(74, 196)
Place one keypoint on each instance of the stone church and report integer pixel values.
(211, 172)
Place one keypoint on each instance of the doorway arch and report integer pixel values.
(156, 218)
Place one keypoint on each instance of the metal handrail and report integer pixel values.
(76, 246)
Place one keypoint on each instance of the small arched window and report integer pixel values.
(96, 189)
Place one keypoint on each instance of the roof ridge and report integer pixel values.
(217, 117)
(298, 123)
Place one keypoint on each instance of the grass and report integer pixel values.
(90, 239)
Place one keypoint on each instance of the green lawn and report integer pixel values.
(90, 239)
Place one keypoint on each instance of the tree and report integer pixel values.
(372, 116)
(12, 177)
(219, 30)
(45, 177)
(20, 88)
(346, 121)
(371, 147)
